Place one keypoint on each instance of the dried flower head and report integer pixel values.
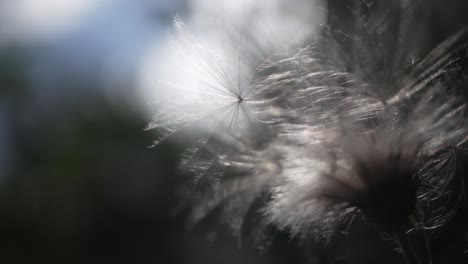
(349, 124)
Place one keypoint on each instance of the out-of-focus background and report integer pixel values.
(78, 181)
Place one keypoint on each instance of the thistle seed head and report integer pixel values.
(329, 129)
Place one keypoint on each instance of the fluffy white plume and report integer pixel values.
(350, 122)
(206, 71)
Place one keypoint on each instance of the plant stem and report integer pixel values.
(406, 248)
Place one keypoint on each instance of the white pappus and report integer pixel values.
(353, 121)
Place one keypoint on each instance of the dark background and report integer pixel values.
(78, 183)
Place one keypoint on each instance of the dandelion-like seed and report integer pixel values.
(213, 100)
(349, 125)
